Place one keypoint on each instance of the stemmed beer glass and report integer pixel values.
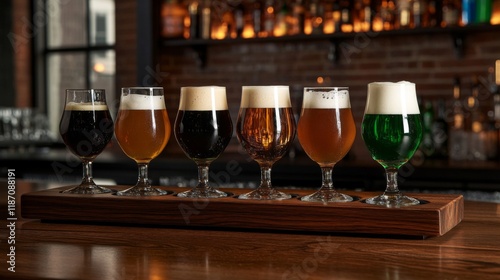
(86, 128)
(203, 129)
(265, 128)
(392, 131)
(142, 129)
(326, 132)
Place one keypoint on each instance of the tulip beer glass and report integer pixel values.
(142, 129)
(265, 128)
(203, 129)
(86, 128)
(326, 132)
(392, 131)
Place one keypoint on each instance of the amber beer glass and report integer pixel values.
(265, 128)
(142, 129)
(392, 131)
(326, 132)
(86, 128)
(203, 129)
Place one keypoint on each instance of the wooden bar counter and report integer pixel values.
(471, 250)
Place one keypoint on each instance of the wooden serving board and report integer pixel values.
(438, 214)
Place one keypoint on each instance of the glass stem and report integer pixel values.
(326, 173)
(265, 177)
(392, 181)
(143, 180)
(202, 176)
(87, 172)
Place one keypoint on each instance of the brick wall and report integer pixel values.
(429, 60)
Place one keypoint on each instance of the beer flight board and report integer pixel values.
(435, 216)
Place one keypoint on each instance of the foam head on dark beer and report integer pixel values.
(96, 106)
(392, 98)
(204, 98)
(265, 97)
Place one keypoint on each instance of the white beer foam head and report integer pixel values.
(392, 98)
(265, 97)
(142, 102)
(206, 98)
(326, 98)
(96, 106)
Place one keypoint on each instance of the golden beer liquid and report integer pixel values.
(142, 134)
(265, 133)
(324, 136)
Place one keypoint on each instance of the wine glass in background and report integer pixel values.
(203, 129)
(265, 128)
(326, 131)
(392, 131)
(86, 128)
(142, 129)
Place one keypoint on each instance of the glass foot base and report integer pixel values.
(265, 194)
(87, 189)
(141, 191)
(327, 196)
(202, 193)
(393, 201)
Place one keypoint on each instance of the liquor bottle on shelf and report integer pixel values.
(268, 19)
(366, 16)
(239, 19)
(206, 20)
(346, 8)
(468, 12)
(483, 11)
(194, 20)
(316, 17)
(257, 18)
(297, 18)
(431, 14)
(458, 142)
(172, 18)
(451, 12)
(403, 14)
(416, 7)
(281, 23)
(387, 9)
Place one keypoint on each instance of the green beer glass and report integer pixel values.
(392, 131)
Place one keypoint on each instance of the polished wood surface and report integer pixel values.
(437, 214)
(471, 250)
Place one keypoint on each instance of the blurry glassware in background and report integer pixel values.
(23, 125)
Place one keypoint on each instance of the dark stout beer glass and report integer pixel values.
(326, 132)
(203, 129)
(392, 131)
(265, 128)
(86, 128)
(142, 129)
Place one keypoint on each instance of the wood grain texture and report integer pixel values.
(438, 215)
(471, 250)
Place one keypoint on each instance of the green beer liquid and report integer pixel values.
(391, 139)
